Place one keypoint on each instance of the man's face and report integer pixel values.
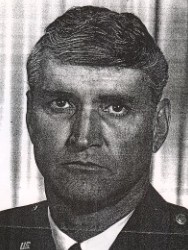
(92, 131)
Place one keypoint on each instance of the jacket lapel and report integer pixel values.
(28, 229)
(148, 227)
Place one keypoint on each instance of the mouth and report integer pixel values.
(81, 166)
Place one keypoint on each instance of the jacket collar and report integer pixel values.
(147, 228)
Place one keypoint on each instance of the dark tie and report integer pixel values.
(75, 247)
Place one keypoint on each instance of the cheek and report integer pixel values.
(50, 133)
(130, 138)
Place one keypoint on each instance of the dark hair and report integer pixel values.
(99, 37)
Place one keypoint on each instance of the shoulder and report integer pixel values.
(178, 226)
(175, 216)
(25, 215)
(161, 225)
(25, 227)
(178, 218)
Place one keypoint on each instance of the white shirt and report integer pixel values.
(102, 241)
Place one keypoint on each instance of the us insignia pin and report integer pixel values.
(25, 245)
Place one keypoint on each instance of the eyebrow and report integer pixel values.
(52, 93)
(117, 98)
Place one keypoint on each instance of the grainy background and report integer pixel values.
(21, 24)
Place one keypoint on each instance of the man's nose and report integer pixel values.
(86, 130)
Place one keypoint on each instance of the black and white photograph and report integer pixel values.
(94, 125)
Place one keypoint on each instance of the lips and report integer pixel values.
(83, 166)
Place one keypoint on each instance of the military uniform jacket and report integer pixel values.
(154, 225)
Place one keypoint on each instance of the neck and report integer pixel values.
(84, 226)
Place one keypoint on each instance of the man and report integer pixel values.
(95, 116)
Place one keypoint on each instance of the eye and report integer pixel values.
(117, 109)
(61, 105)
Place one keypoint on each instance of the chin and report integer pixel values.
(85, 198)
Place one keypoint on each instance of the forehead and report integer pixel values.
(87, 80)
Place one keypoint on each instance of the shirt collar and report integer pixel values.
(102, 241)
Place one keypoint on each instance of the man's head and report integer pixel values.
(94, 110)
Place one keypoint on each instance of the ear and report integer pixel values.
(29, 119)
(161, 124)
